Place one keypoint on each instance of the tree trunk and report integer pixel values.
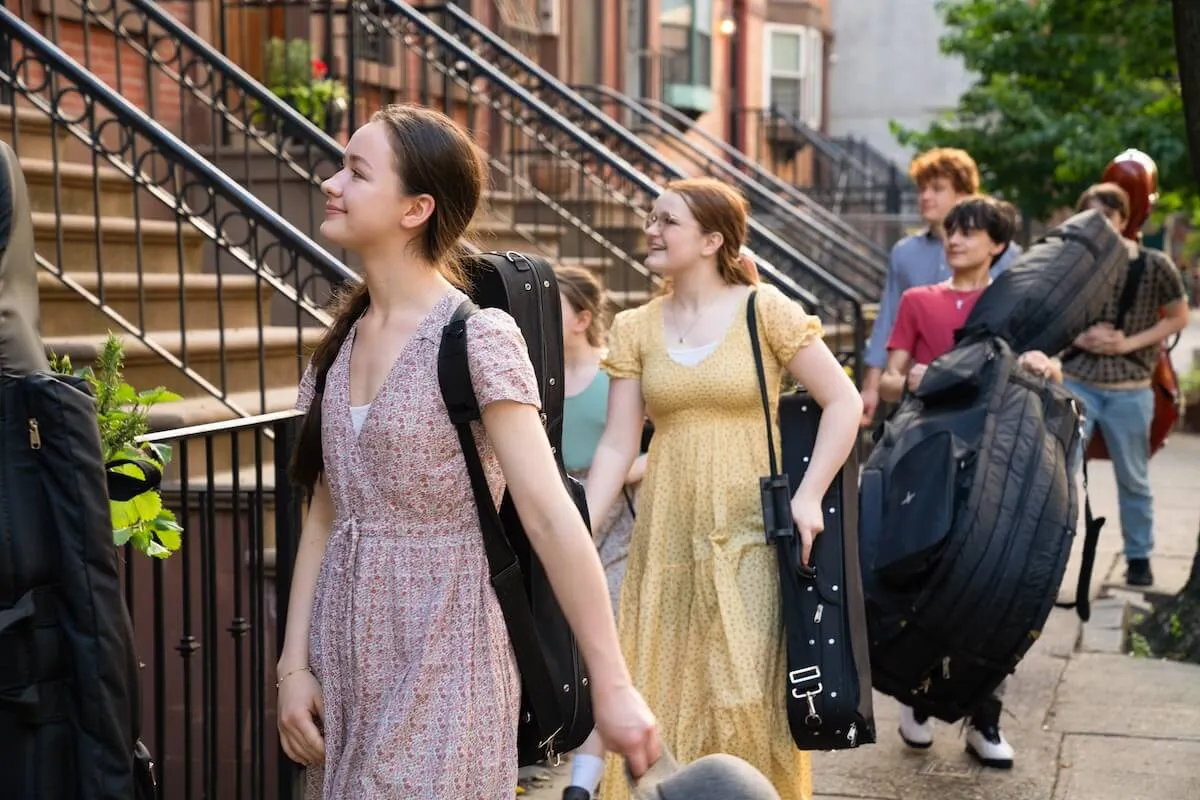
(1186, 14)
(1173, 629)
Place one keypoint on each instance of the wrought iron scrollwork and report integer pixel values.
(176, 194)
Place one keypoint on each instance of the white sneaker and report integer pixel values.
(915, 734)
(989, 747)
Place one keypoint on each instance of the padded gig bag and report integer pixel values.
(68, 672)
(968, 510)
(1057, 288)
(829, 699)
(556, 710)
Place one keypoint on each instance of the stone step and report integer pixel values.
(234, 359)
(575, 243)
(76, 188)
(35, 135)
(594, 211)
(489, 233)
(152, 301)
(119, 238)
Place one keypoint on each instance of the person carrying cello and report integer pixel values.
(1116, 367)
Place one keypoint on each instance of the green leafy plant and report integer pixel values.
(122, 412)
(302, 81)
(1189, 382)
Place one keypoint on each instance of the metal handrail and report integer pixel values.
(230, 71)
(819, 141)
(133, 116)
(224, 426)
(861, 263)
(578, 137)
(609, 126)
(682, 123)
(247, 84)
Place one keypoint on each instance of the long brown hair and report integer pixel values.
(584, 292)
(719, 208)
(433, 156)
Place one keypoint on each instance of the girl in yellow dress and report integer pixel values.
(700, 612)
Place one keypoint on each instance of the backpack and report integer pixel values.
(69, 712)
(556, 711)
(968, 510)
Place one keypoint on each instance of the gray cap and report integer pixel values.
(715, 777)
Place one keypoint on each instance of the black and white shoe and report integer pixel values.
(576, 793)
(988, 745)
(916, 732)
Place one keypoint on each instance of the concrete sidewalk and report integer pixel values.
(1088, 722)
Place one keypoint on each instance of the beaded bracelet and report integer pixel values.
(287, 675)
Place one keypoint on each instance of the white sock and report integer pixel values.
(586, 771)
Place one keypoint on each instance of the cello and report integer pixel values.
(1137, 174)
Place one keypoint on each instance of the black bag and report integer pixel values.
(829, 675)
(69, 712)
(556, 711)
(968, 511)
(1056, 290)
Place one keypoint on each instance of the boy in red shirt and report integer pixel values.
(978, 230)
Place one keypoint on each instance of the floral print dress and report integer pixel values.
(408, 642)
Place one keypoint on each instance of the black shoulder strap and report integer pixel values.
(1133, 279)
(1137, 270)
(1091, 539)
(752, 325)
(458, 393)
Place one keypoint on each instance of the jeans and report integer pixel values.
(1124, 416)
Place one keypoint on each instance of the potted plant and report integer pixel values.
(303, 82)
(138, 515)
(550, 175)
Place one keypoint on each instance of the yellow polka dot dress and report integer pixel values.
(700, 616)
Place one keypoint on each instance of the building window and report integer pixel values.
(686, 28)
(796, 72)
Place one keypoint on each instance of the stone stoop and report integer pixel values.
(152, 270)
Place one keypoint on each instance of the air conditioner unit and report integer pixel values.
(550, 13)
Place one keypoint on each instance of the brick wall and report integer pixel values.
(118, 65)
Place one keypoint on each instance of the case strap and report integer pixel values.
(752, 324)
(458, 393)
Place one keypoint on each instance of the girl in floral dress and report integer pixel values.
(700, 615)
(397, 678)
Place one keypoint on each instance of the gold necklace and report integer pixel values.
(675, 318)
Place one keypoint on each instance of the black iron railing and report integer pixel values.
(542, 198)
(570, 104)
(807, 226)
(252, 135)
(848, 181)
(553, 182)
(530, 120)
(786, 190)
(163, 244)
(208, 621)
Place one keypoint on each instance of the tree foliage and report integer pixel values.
(1062, 86)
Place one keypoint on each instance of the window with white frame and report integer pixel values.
(795, 74)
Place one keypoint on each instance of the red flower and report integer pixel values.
(320, 69)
